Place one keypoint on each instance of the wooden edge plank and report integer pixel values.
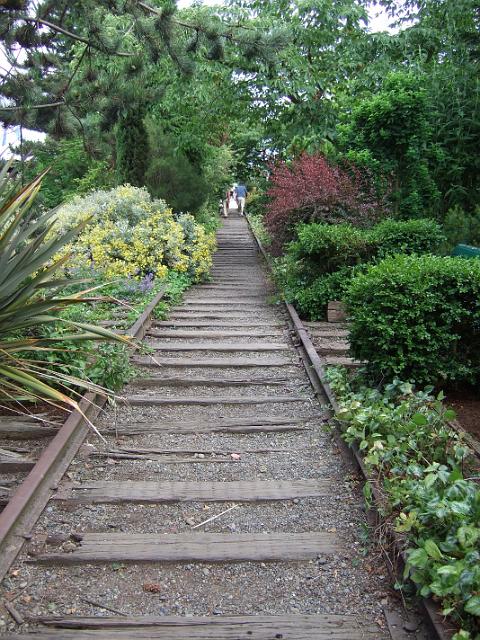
(118, 622)
(136, 401)
(196, 547)
(177, 491)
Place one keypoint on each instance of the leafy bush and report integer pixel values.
(312, 189)
(393, 128)
(407, 236)
(418, 318)
(129, 235)
(325, 248)
(312, 301)
(318, 265)
(416, 460)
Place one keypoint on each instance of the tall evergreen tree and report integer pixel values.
(132, 150)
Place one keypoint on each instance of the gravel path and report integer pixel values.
(352, 581)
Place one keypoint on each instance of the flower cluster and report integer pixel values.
(129, 235)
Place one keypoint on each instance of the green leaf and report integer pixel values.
(418, 558)
(419, 419)
(430, 480)
(432, 549)
(449, 414)
(473, 606)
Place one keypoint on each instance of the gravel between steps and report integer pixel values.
(353, 581)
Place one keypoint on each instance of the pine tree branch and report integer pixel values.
(77, 67)
(73, 36)
(48, 105)
(195, 27)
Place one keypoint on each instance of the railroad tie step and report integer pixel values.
(217, 363)
(220, 324)
(176, 381)
(153, 400)
(218, 346)
(288, 627)
(196, 547)
(143, 492)
(251, 424)
(179, 333)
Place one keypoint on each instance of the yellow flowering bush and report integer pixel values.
(199, 245)
(130, 235)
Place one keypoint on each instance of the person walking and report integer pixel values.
(226, 203)
(241, 195)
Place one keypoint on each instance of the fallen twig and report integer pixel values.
(104, 606)
(13, 612)
(235, 506)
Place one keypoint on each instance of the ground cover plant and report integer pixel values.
(420, 466)
(418, 318)
(121, 302)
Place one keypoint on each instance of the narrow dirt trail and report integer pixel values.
(223, 423)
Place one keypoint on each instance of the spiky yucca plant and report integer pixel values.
(31, 298)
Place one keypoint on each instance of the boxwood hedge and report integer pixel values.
(418, 318)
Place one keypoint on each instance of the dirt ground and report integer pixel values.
(467, 405)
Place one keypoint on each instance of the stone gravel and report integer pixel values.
(353, 581)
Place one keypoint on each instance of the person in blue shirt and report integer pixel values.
(240, 196)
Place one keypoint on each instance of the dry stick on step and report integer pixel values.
(235, 506)
(13, 612)
(103, 606)
(9, 454)
(204, 451)
(163, 460)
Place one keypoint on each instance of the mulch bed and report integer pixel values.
(466, 403)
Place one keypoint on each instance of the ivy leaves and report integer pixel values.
(407, 444)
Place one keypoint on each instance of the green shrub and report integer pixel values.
(312, 301)
(406, 236)
(320, 263)
(418, 318)
(324, 248)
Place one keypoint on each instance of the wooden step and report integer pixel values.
(235, 300)
(288, 627)
(224, 324)
(343, 361)
(324, 347)
(253, 424)
(154, 400)
(243, 316)
(176, 381)
(156, 333)
(167, 491)
(232, 308)
(196, 547)
(15, 465)
(218, 363)
(218, 346)
(13, 428)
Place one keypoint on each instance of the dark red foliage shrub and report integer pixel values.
(310, 189)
